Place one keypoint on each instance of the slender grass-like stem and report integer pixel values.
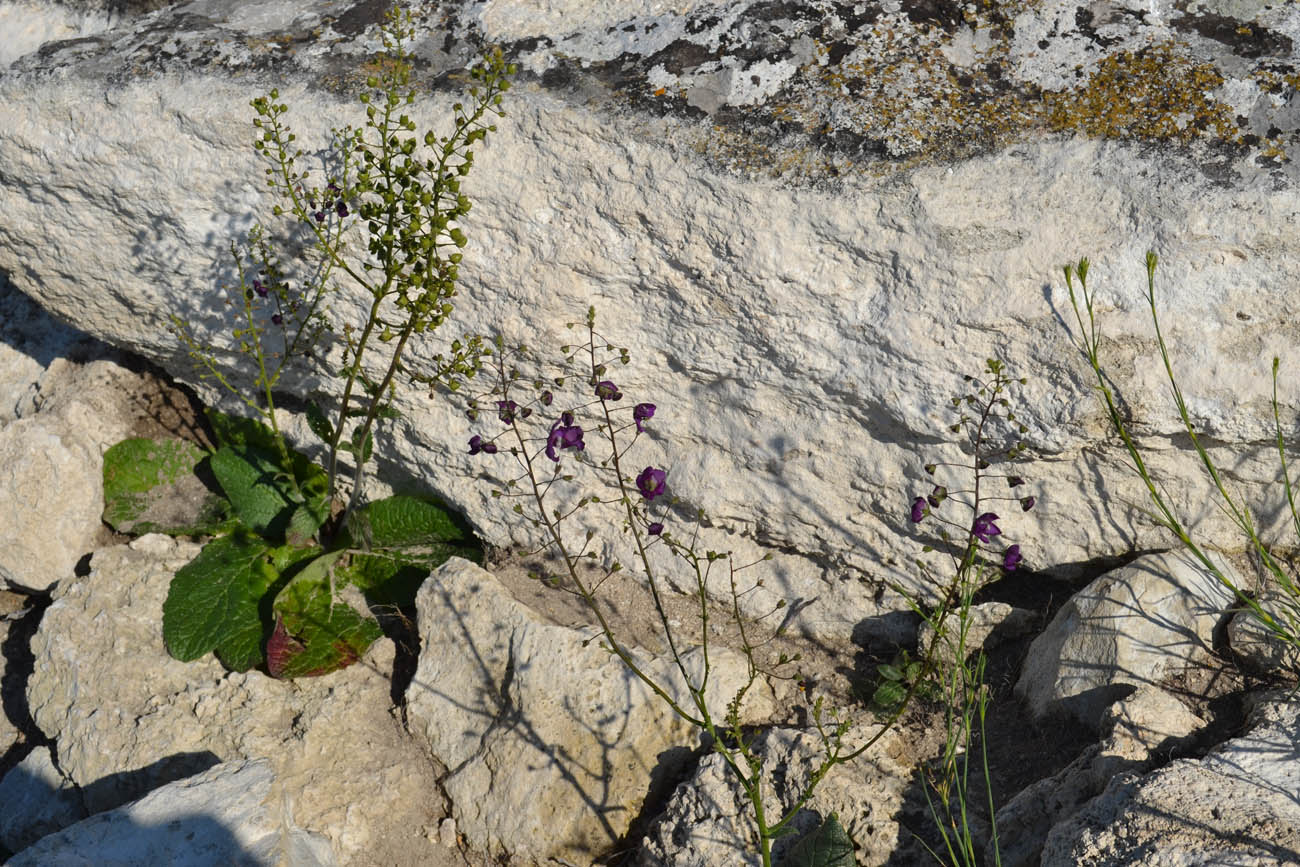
(1091, 339)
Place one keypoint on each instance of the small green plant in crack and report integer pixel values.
(895, 678)
(291, 536)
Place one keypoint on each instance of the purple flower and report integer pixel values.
(984, 528)
(477, 445)
(341, 209)
(655, 529)
(333, 187)
(919, 510)
(506, 411)
(1011, 559)
(320, 216)
(563, 436)
(260, 288)
(606, 390)
(546, 398)
(277, 319)
(566, 418)
(642, 412)
(1027, 503)
(937, 496)
(651, 482)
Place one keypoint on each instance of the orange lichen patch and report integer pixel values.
(1156, 93)
(1273, 149)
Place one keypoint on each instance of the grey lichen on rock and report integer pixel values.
(804, 91)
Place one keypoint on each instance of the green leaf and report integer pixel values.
(313, 633)
(890, 672)
(154, 486)
(828, 845)
(251, 437)
(213, 601)
(387, 579)
(889, 694)
(259, 490)
(405, 521)
(403, 539)
(319, 424)
(235, 431)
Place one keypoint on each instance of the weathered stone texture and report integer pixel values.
(802, 338)
(542, 763)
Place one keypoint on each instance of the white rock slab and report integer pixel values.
(225, 815)
(551, 745)
(800, 338)
(1132, 627)
(38, 800)
(709, 819)
(1235, 806)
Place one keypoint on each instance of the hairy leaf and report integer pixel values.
(315, 634)
(404, 521)
(401, 539)
(154, 486)
(828, 845)
(252, 439)
(213, 601)
(259, 490)
(318, 423)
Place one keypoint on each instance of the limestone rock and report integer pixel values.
(1132, 627)
(933, 167)
(550, 742)
(38, 800)
(61, 407)
(127, 718)
(8, 731)
(225, 815)
(1137, 731)
(1257, 646)
(709, 820)
(52, 477)
(1235, 806)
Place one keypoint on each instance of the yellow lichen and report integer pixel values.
(1156, 93)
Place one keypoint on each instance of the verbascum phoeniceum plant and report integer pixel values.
(1278, 612)
(968, 535)
(299, 561)
(555, 445)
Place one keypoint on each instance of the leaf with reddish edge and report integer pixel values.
(281, 648)
(314, 633)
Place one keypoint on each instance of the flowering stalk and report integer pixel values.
(964, 694)
(602, 417)
(1285, 628)
(405, 191)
